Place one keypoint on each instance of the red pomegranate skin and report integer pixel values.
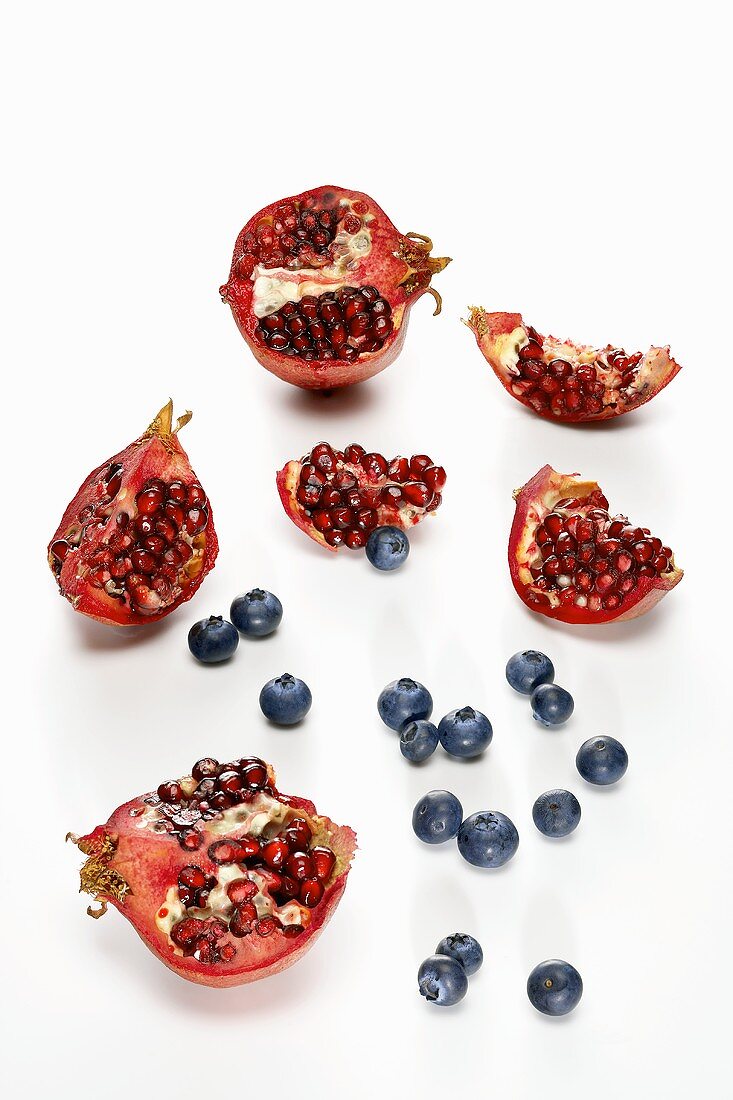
(623, 382)
(398, 265)
(133, 869)
(156, 454)
(533, 503)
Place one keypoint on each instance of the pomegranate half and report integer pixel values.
(321, 286)
(224, 879)
(339, 497)
(572, 561)
(564, 381)
(138, 537)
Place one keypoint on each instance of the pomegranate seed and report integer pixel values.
(254, 775)
(192, 877)
(230, 781)
(204, 768)
(196, 520)
(241, 890)
(265, 926)
(242, 919)
(170, 792)
(150, 501)
(375, 465)
(275, 853)
(354, 453)
(288, 888)
(416, 492)
(356, 540)
(643, 552)
(398, 469)
(324, 862)
(298, 834)
(186, 931)
(311, 892)
(553, 523)
(226, 851)
(435, 478)
(190, 840)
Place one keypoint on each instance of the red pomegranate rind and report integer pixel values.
(110, 570)
(357, 247)
(610, 572)
(564, 381)
(365, 490)
(136, 863)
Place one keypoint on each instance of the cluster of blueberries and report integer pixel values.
(488, 838)
(406, 705)
(554, 987)
(284, 700)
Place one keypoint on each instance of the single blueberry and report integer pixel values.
(285, 700)
(465, 732)
(437, 817)
(442, 981)
(418, 741)
(551, 705)
(213, 639)
(554, 987)
(602, 760)
(256, 613)
(404, 701)
(556, 813)
(527, 670)
(387, 548)
(488, 839)
(464, 949)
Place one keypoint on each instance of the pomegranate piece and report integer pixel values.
(248, 900)
(138, 538)
(571, 560)
(321, 286)
(564, 381)
(339, 497)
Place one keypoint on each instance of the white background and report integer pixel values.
(571, 159)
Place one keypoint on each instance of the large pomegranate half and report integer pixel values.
(339, 497)
(565, 381)
(224, 879)
(321, 286)
(569, 559)
(138, 538)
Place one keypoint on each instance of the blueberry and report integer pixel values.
(554, 987)
(404, 701)
(387, 548)
(464, 949)
(213, 639)
(418, 741)
(488, 839)
(556, 813)
(256, 613)
(602, 760)
(437, 817)
(442, 981)
(465, 732)
(551, 705)
(285, 700)
(527, 670)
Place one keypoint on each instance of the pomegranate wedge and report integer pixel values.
(224, 879)
(570, 560)
(322, 284)
(564, 381)
(339, 497)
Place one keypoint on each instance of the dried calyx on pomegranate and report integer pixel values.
(321, 285)
(138, 538)
(225, 879)
(339, 497)
(564, 381)
(573, 561)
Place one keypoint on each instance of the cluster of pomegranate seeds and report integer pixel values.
(296, 236)
(348, 493)
(339, 325)
(591, 559)
(561, 387)
(291, 867)
(147, 560)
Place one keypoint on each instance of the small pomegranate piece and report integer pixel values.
(226, 915)
(126, 551)
(564, 381)
(338, 497)
(321, 286)
(570, 560)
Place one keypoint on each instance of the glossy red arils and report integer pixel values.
(130, 547)
(611, 574)
(250, 901)
(327, 305)
(357, 490)
(564, 381)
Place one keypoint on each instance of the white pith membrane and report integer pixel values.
(263, 816)
(649, 373)
(273, 286)
(84, 535)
